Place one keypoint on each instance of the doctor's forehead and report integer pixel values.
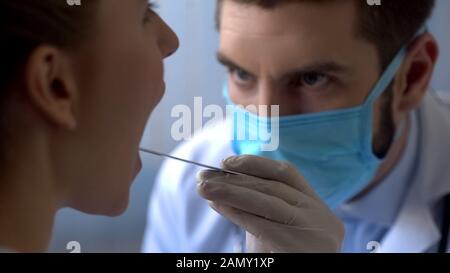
(298, 40)
(236, 16)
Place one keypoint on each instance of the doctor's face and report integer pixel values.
(120, 80)
(305, 57)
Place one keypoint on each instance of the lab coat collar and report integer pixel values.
(415, 229)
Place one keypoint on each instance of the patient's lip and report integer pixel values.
(138, 164)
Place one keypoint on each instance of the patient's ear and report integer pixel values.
(412, 81)
(51, 87)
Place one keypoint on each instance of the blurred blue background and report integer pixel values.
(192, 71)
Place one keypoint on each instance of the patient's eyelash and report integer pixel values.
(150, 11)
(152, 5)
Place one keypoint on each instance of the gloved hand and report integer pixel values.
(274, 204)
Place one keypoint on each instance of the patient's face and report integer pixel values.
(304, 56)
(120, 76)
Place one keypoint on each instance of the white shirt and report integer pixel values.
(181, 221)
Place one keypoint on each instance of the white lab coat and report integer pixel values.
(181, 221)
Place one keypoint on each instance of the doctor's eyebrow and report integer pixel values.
(225, 61)
(325, 67)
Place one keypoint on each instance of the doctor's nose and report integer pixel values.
(269, 95)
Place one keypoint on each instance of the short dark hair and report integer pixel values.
(388, 25)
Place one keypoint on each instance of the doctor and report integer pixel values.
(358, 126)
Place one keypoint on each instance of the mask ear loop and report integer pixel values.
(366, 121)
(379, 88)
(402, 126)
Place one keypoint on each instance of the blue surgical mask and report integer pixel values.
(332, 150)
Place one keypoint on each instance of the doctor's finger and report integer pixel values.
(269, 169)
(251, 201)
(269, 187)
(253, 224)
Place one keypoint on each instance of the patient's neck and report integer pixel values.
(27, 201)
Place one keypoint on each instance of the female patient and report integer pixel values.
(77, 85)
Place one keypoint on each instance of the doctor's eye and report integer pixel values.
(241, 77)
(309, 80)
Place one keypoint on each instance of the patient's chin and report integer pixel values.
(112, 207)
(118, 207)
